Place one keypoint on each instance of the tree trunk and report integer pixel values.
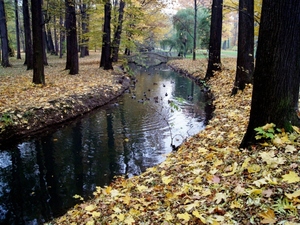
(38, 47)
(17, 30)
(106, 60)
(195, 30)
(50, 43)
(55, 37)
(276, 76)
(61, 37)
(214, 57)
(27, 32)
(117, 36)
(245, 56)
(3, 36)
(84, 51)
(72, 53)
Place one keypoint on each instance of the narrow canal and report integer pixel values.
(40, 175)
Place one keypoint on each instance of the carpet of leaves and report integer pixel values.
(20, 99)
(208, 180)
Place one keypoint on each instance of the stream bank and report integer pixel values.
(18, 121)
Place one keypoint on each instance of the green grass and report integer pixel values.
(202, 54)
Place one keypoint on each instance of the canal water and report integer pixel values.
(40, 175)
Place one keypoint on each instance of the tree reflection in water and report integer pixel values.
(39, 176)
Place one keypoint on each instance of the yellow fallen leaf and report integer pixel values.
(166, 179)
(185, 216)
(197, 214)
(296, 129)
(90, 222)
(126, 199)
(96, 215)
(268, 217)
(141, 188)
(233, 170)
(114, 193)
(90, 208)
(129, 220)
(290, 149)
(219, 197)
(78, 197)
(295, 194)
(191, 206)
(117, 209)
(254, 168)
(121, 217)
(108, 190)
(246, 163)
(291, 177)
(168, 216)
(236, 204)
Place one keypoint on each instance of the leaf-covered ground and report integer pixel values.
(26, 108)
(208, 180)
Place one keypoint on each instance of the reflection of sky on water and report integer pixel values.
(124, 137)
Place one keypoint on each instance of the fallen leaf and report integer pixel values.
(166, 179)
(291, 177)
(268, 217)
(185, 216)
(295, 194)
(90, 208)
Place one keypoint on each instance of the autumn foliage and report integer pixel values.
(208, 180)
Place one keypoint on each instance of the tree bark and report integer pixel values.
(50, 43)
(27, 32)
(195, 30)
(61, 36)
(106, 60)
(214, 58)
(84, 50)
(245, 58)
(17, 30)
(72, 53)
(37, 38)
(276, 76)
(3, 36)
(117, 36)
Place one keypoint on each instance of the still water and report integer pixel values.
(40, 175)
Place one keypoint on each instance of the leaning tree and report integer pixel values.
(277, 71)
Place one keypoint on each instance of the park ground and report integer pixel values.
(209, 180)
(26, 108)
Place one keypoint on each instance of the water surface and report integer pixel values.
(40, 175)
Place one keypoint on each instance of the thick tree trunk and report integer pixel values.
(17, 30)
(72, 53)
(3, 36)
(214, 58)
(117, 36)
(276, 76)
(106, 60)
(38, 47)
(27, 32)
(245, 57)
